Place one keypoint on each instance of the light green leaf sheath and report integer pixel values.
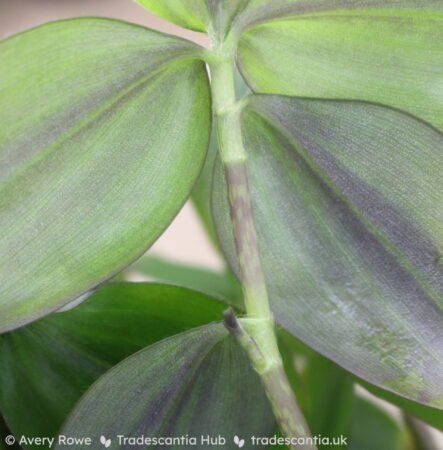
(104, 129)
(348, 201)
(389, 52)
(185, 385)
(211, 16)
(48, 365)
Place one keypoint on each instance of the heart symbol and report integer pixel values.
(105, 442)
(239, 442)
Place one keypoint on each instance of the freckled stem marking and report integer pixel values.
(252, 279)
(256, 331)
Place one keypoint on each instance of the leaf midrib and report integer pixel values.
(187, 382)
(372, 229)
(96, 114)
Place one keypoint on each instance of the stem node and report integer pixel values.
(256, 332)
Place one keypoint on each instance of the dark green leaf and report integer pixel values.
(201, 192)
(95, 159)
(5, 434)
(346, 197)
(329, 411)
(221, 285)
(293, 350)
(332, 406)
(373, 429)
(324, 390)
(196, 383)
(431, 416)
(46, 366)
(383, 51)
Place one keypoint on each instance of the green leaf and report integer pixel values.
(47, 365)
(323, 390)
(346, 196)
(304, 387)
(4, 432)
(196, 383)
(201, 192)
(331, 396)
(432, 416)
(262, 11)
(95, 159)
(192, 14)
(221, 285)
(384, 52)
(373, 429)
(211, 16)
(333, 408)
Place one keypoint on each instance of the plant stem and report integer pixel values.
(256, 332)
(273, 377)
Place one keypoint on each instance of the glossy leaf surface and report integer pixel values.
(95, 159)
(196, 383)
(346, 198)
(47, 365)
(386, 52)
